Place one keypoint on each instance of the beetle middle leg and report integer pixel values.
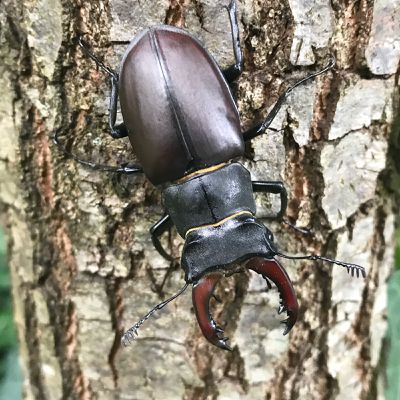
(260, 128)
(159, 228)
(277, 187)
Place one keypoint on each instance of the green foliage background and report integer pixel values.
(393, 334)
(10, 374)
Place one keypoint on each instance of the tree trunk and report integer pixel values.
(82, 261)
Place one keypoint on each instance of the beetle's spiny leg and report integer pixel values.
(117, 131)
(129, 335)
(124, 168)
(201, 294)
(271, 269)
(261, 127)
(105, 68)
(304, 231)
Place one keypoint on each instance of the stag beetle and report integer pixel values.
(184, 126)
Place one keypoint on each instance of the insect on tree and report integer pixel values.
(186, 134)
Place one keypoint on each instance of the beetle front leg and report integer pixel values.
(234, 71)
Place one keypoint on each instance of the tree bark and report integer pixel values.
(82, 262)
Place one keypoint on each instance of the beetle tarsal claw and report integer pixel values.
(271, 269)
(201, 294)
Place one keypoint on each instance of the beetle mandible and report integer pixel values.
(186, 134)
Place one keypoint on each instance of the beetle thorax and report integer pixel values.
(210, 198)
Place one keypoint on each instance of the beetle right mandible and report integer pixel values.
(184, 126)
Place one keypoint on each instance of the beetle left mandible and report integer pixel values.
(186, 134)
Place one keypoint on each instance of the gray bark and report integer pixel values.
(82, 263)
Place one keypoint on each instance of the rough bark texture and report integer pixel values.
(81, 257)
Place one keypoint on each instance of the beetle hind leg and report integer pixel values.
(234, 71)
(201, 294)
(272, 270)
(117, 131)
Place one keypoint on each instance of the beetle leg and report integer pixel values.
(201, 294)
(274, 187)
(234, 71)
(125, 168)
(259, 129)
(305, 231)
(100, 64)
(156, 231)
(116, 131)
(277, 187)
(274, 271)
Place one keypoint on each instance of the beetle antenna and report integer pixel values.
(128, 336)
(351, 268)
(125, 168)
